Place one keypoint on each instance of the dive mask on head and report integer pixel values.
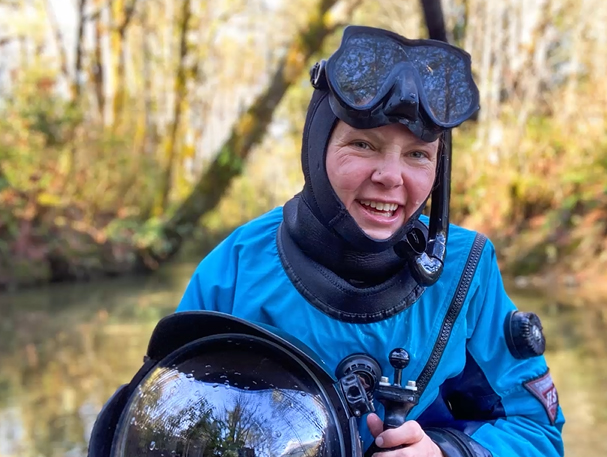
(377, 77)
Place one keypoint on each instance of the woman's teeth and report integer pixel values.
(382, 209)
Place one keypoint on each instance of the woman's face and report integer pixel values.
(381, 175)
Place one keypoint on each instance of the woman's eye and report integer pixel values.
(418, 154)
(361, 145)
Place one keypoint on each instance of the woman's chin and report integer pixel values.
(376, 226)
(378, 233)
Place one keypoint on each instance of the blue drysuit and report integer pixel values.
(507, 405)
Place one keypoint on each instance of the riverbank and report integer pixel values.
(557, 277)
(564, 287)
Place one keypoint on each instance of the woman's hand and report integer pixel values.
(410, 433)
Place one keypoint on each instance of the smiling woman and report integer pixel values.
(381, 175)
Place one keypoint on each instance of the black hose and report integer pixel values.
(427, 267)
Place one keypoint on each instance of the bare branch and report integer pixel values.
(346, 14)
(94, 15)
(6, 40)
(129, 11)
(58, 39)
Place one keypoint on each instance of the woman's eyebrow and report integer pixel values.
(376, 136)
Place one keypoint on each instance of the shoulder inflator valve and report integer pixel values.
(523, 332)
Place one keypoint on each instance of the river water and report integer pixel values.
(64, 349)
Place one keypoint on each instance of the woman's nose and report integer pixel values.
(388, 173)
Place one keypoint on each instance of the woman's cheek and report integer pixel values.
(425, 180)
(351, 177)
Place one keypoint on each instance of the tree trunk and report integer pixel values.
(180, 95)
(58, 41)
(150, 135)
(119, 27)
(247, 132)
(76, 89)
(97, 70)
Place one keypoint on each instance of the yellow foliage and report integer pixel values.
(47, 199)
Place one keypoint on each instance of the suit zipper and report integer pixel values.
(452, 314)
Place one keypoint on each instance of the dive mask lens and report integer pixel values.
(362, 68)
(367, 68)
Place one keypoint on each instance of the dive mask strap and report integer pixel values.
(318, 77)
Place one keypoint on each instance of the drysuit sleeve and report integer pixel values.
(503, 406)
(211, 287)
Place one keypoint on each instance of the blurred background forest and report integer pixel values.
(128, 127)
(135, 134)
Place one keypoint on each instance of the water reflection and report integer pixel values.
(577, 355)
(64, 350)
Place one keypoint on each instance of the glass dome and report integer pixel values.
(229, 396)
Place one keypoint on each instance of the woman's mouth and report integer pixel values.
(386, 210)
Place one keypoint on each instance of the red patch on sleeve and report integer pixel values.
(544, 390)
